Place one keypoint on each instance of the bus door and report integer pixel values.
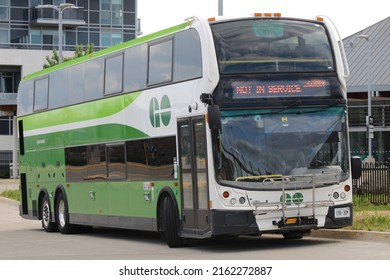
(193, 176)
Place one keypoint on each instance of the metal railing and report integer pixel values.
(374, 184)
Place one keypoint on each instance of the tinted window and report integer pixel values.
(116, 161)
(187, 56)
(76, 162)
(41, 89)
(86, 163)
(160, 62)
(76, 80)
(151, 159)
(58, 88)
(96, 158)
(25, 97)
(136, 67)
(264, 45)
(113, 74)
(94, 79)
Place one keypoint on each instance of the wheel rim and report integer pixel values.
(45, 213)
(61, 213)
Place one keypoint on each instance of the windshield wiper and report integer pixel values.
(261, 178)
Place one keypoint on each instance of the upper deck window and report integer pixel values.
(269, 45)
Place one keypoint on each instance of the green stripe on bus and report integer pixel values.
(113, 49)
(80, 112)
(96, 134)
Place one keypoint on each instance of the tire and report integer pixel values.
(46, 215)
(170, 222)
(62, 215)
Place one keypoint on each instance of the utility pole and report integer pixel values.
(220, 7)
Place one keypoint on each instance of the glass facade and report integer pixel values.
(100, 22)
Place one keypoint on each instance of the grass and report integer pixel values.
(370, 217)
(366, 216)
(11, 194)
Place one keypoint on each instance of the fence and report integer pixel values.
(374, 184)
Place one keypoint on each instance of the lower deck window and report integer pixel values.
(138, 160)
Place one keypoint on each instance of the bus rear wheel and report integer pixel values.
(62, 215)
(170, 222)
(46, 216)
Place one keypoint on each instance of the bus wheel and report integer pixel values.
(170, 219)
(62, 215)
(47, 223)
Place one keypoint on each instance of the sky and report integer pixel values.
(350, 16)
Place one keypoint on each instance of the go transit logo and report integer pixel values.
(160, 112)
(297, 198)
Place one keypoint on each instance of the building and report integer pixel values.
(368, 54)
(28, 34)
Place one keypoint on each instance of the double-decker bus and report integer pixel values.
(209, 128)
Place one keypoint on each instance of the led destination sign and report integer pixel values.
(286, 88)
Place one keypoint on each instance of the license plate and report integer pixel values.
(344, 212)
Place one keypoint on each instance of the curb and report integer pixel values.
(374, 236)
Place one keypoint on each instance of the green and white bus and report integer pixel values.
(209, 128)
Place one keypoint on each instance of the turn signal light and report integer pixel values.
(225, 194)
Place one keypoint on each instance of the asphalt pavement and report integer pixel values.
(375, 236)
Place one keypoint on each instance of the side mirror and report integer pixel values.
(356, 167)
(214, 117)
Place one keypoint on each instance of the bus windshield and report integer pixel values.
(256, 145)
(271, 45)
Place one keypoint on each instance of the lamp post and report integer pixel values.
(62, 7)
(369, 119)
(220, 7)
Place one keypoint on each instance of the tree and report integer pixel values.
(80, 51)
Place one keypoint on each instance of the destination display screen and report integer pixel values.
(284, 88)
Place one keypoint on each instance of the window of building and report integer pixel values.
(110, 39)
(5, 161)
(18, 3)
(105, 5)
(35, 36)
(111, 12)
(9, 81)
(4, 10)
(4, 37)
(160, 63)
(113, 77)
(5, 125)
(34, 3)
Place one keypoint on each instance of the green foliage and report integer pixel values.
(11, 194)
(51, 61)
(80, 51)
